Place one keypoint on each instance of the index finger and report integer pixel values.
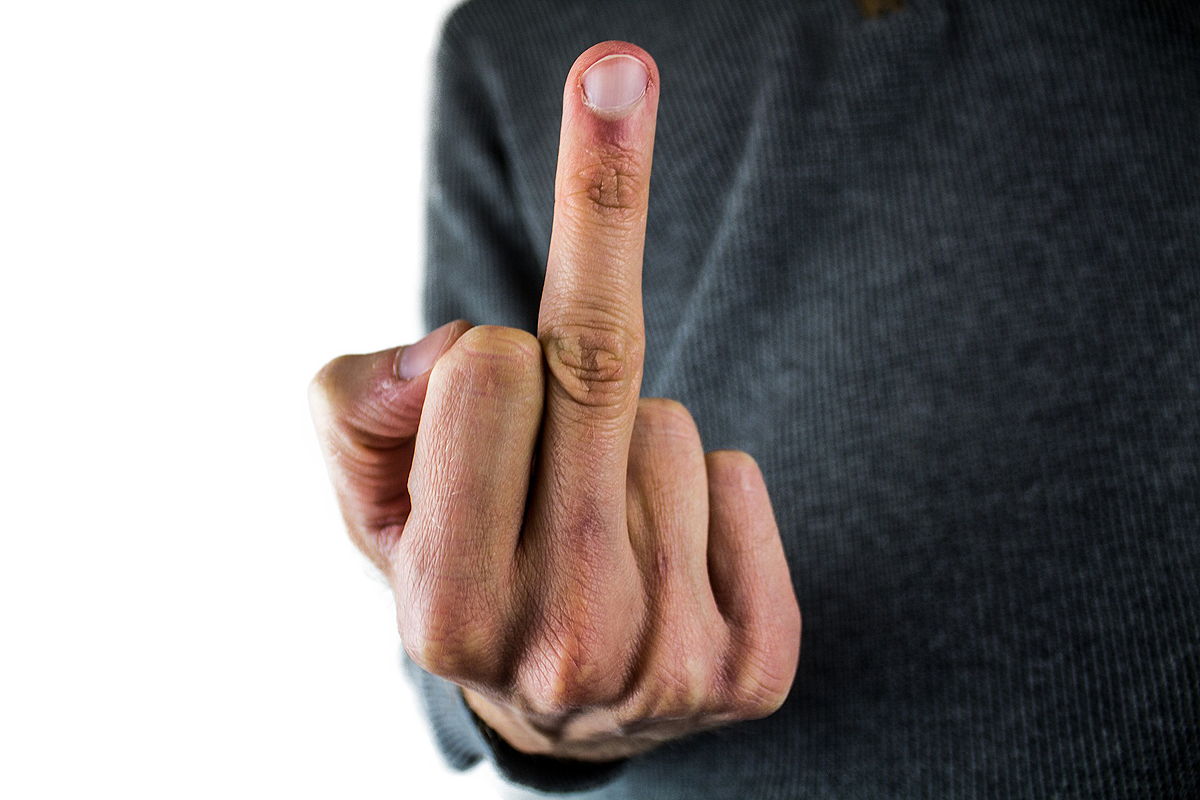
(590, 321)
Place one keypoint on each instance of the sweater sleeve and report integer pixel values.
(479, 267)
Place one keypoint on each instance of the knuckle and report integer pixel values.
(761, 671)
(575, 665)
(665, 417)
(489, 359)
(609, 185)
(688, 675)
(423, 649)
(597, 367)
(760, 689)
(448, 628)
(505, 343)
(733, 473)
(569, 680)
(437, 648)
(324, 390)
(736, 463)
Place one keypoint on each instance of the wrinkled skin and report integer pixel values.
(559, 547)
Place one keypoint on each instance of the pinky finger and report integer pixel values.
(751, 584)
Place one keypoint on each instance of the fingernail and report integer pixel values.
(417, 359)
(614, 84)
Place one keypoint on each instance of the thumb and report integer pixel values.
(376, 398)
(366, 409)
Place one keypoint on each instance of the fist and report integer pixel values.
(562, 549)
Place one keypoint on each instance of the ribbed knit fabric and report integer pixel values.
(939, 272)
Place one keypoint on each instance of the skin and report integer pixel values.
(562, 549)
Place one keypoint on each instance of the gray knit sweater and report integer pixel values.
(939, 272)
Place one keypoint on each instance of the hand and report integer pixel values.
(564, 551)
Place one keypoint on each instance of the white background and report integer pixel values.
(200, 203)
